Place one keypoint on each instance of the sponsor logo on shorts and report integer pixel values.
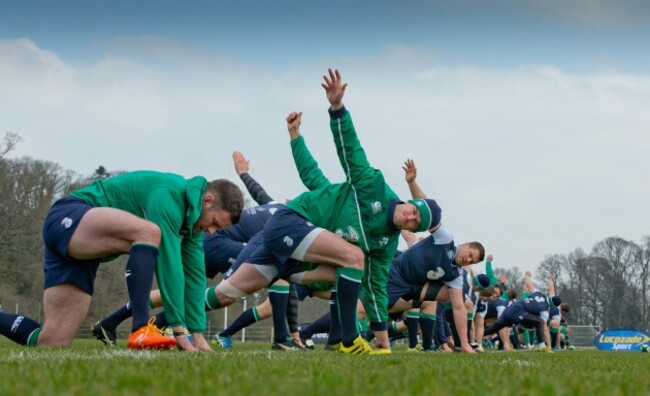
(288, 241)
(66, 222)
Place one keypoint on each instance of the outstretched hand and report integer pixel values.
(293, 124)
(242, 165)
(489, 258)
(410, 171)
(334, 89)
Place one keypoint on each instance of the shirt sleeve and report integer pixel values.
(256, 191)
(310, 174)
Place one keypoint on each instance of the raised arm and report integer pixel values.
(310, 174)
(410, 174)
(551, 285)
(242, 166)
(528, 281)
(351, 155)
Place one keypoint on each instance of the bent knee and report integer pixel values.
(354, 257)
(148, 232)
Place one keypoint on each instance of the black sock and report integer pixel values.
(161, 320)
(139, 278)
(111, 322)
(334, 336)
(320, 325)
(246, 319)
(412, 323)
(279, 297)
(19, 328)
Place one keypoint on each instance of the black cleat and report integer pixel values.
(108, 337)
(289, 345)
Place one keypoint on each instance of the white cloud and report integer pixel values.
(531, 161)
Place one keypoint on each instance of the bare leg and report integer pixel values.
(65, 306)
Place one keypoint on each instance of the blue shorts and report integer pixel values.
(284, 231)
(398, 288)
(220, 253)
(255, 252)
(60, 224)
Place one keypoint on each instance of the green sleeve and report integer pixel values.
(310, 174)
(490, 273)
(195, 282)
(167, 212)
(351, 154)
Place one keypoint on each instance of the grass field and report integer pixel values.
(88, 368)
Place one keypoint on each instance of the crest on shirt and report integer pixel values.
(376, 207)
(351, 236)
(435, 275)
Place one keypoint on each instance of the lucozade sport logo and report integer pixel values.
(621, 340)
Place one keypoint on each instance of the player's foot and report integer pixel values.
(225, 342)
(358, 347)
(288, 345)
(333, 347)
(381, 351)
(108, 337)
(556, 348)
(308, 343)
(150, 337)
(416, 348)
(545, 349)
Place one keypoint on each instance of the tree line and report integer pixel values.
(607, 287)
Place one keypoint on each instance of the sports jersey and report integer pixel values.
(359, 210)
(174, 204)
(431, 259)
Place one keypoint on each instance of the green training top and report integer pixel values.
(174, 204)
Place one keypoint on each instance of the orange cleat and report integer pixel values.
(150, 337)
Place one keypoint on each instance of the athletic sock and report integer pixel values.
(348, 281)
(246, 319)
(427, 324)
(161, 320)
(334, 336)
(320, 325)
(553, 331)
(526, 338)
(279, 297)
(211, 299)
(111, 322)
(470, 320)
(292, 309)
(139, 278)
(19, 329)
(412, 322)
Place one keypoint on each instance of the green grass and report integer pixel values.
(88, 368)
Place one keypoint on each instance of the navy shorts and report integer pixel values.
(284, 231)
(60, 224)
(255, 252)
(220, 253)
(398, 288)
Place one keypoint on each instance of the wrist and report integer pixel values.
(336, 106)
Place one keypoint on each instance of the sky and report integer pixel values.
(528, 121)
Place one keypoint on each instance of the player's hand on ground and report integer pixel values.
(334, 88)
(293, 124)
(184, 344)
(242, 165)
(467, 349)
(200, 343)
(410, 171)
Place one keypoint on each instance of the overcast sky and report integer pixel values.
(529, 121)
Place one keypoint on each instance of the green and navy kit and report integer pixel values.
(431, 259)
(222, 247)
(174, 204)
(358, 210)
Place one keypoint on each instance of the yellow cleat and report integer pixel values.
(359, 347)
(381, 351)
(545, 350)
